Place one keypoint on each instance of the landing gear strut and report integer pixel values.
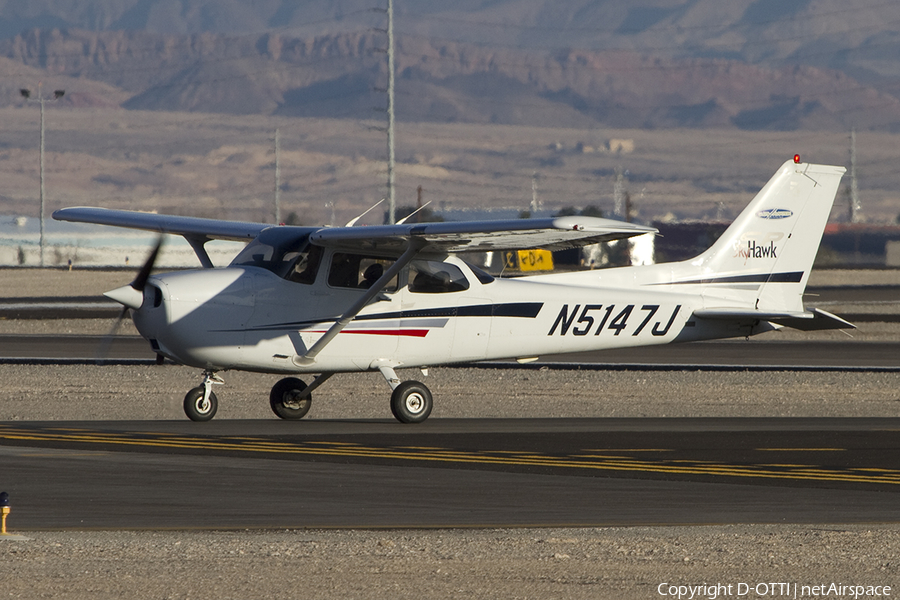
(201, 404)
(291, 398)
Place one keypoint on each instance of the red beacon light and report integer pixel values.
(796, 159)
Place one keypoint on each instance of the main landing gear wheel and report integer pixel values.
(411, 402)
(196, 408)
(284, 401)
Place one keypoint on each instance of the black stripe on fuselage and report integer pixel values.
(522, 310)
(793, 277)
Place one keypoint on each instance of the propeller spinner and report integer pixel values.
(132, 295)
(129, 296)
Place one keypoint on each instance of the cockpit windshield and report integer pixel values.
(280, 250)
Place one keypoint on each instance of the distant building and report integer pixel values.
(892, 253)
(615, 146)
(860, 243)
(612, 146)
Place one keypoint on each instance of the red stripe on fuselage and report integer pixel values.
(398, 332)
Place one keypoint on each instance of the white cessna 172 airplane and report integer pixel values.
(329, 300)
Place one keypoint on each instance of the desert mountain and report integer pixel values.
(751, 64)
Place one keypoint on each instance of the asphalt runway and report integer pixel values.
(450, 472)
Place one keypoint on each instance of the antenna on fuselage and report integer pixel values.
(353, 221)
(403, 220)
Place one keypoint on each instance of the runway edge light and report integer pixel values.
(4, 509)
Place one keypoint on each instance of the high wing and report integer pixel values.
(480, 236)
(189, 227)
(195, 230)
(431, 238)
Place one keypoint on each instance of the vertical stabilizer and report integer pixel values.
(764, 258)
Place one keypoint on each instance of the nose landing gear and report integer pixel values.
(201, 404)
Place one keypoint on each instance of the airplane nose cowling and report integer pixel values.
(126, 296)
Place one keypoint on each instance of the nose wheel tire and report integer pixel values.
(198, 410)
(284, 402)
(411, 402)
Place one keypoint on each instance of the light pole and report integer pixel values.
(392, 196)
(40, 99)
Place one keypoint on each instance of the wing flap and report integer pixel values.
(481, 236)
(189, 227)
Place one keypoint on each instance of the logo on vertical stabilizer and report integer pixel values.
(775, 213)
(753, 245)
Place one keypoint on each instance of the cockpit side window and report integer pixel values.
(255, 254)
(306, 265)
(285, 252)
(435, 277)
(358, 271)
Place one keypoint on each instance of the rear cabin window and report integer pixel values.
(434, 277)
(359, 271)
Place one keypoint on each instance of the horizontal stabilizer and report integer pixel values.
(811, 320)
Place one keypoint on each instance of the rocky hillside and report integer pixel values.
(750, 64)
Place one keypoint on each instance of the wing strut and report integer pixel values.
(199, 246)
(309, 358)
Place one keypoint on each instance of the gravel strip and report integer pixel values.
(622, 563)
(71, 392)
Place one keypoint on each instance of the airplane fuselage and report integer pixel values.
(250, 319)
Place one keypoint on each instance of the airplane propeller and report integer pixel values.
(129, 296)
(132, 295)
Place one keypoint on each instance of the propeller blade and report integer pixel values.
(103, 350)
(141, 280)
(129, 296)
(132, 295)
